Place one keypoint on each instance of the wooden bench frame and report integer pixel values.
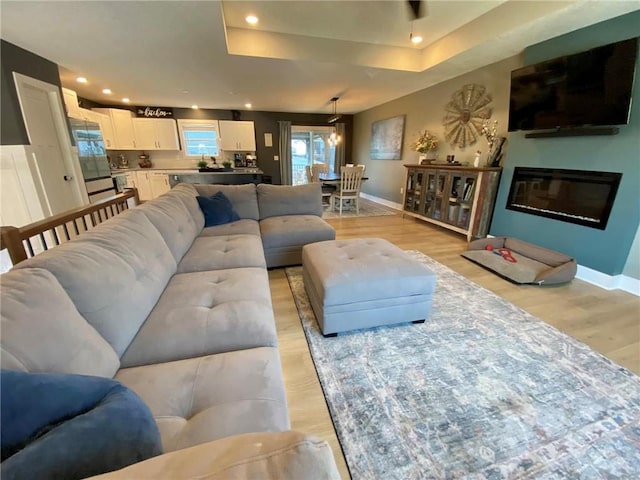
(62, 227)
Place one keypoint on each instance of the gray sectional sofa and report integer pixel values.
(182, 315)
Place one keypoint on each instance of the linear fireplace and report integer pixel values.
(575, 196)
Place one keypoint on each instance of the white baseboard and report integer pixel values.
(609, 282)
(382, 201)
(599, 279)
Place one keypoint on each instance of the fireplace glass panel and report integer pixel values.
(575, 196)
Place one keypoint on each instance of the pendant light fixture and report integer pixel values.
(335, 117)
(334, 138)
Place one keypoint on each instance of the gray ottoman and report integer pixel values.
(363, 283)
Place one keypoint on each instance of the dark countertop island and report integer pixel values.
(237, 177)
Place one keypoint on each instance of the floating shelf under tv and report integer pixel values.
(573, 132)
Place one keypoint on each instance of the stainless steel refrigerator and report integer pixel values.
(93, 159)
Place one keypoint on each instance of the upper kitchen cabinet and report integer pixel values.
(237, 136)
(107, 130)
(123, 132)
(70, 99)
(102, 120)
(156, 134)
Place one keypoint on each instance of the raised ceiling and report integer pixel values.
(299, 55)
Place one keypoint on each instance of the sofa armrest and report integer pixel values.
(282, 455)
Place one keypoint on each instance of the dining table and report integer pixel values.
(332, 178)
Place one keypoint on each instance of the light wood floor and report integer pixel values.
(608, 321)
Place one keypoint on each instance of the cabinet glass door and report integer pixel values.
(465, 195)
(429, 194)
(453, 202)
(439, 203)
(414, 188)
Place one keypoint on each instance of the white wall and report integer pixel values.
(425, 109)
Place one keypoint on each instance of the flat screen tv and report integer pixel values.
(591, 88)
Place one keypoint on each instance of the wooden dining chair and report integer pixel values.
(350, 182)
(313, 174)
(318, 169)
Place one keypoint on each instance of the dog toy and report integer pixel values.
(502, 252)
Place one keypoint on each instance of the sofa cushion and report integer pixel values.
(174, 222)
(242, 197)
(229, 251)
(187, 193)
(114, 274)
(206, 398)
(205, 313)
(71, 426)
(32, 300)
(241, 227)
(276, 200)
(277, 455)
(217, 210)
(294, 230)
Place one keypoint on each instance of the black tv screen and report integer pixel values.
(584, 89)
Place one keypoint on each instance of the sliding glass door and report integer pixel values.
(310, 145)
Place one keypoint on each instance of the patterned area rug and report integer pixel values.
(481, 390)
(367, 209)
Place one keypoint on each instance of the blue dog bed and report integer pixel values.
(58, 426)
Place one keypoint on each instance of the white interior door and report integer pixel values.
(50, 146)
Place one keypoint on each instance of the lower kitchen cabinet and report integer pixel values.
(151, 184)
(159, 182)
(455, 197)
(143, 184)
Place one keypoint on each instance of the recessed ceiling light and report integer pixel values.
(416, 39)
(251, 19)
(81, 80)
(195, 107)
(106, 91)
(247, 105)
(126, 100)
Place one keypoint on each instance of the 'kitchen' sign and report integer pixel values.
(154, 112)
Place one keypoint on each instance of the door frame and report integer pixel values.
(61, 127)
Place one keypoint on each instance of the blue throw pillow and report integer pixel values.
(217, 210)
(71, 426)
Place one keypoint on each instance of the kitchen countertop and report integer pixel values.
(152, 169)
(185, 170)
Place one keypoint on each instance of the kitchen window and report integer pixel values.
(200, 138)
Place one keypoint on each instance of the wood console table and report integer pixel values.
(459, 198)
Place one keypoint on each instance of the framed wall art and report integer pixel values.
(386, 138)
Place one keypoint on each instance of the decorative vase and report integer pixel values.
(421, 158)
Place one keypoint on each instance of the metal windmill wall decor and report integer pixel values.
(465, 114)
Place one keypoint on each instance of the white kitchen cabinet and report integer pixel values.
(143, 184)
(130, 180)
(159, 182)
(151, 184)
(103, 120)
(70, 99)
(156, 134)
(107, 131)
(122, 122)
(237, 136)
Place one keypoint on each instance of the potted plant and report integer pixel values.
(227, 165)
(427, 142)
(202, 164)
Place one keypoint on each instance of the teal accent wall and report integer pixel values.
(602, 250)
